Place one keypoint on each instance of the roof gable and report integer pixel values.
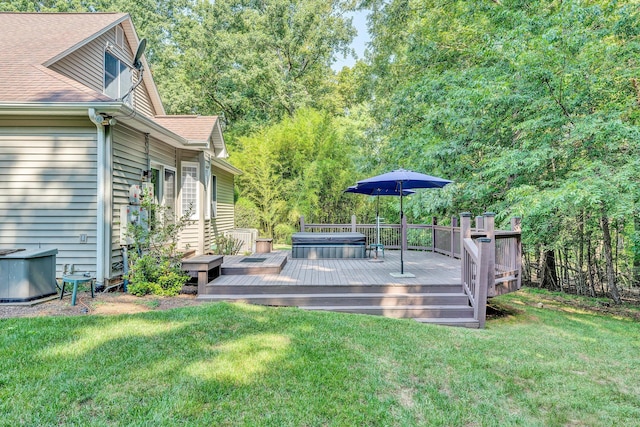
(32, 42)
(197, 130)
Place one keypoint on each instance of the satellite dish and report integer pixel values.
(137, 63)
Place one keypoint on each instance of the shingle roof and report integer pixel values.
(193, 128)
(29, 40)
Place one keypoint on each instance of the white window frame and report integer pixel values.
(122, 86)
(196, 205)
(175, 184)
(213, 204)
(211, 208)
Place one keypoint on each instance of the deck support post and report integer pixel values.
(484, 252)
(454, 224)
(516, 225)
(353, 223)
(479, 223)
(489, 227)
(302, 223)
(465, 233)
(434, 222)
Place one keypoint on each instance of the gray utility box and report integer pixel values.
(27, 275)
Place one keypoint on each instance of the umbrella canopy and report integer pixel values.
(404, 179)
(399, 181)
(372, 191)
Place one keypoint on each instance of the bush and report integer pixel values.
(154, 262)
(149, 275)
(282, 233)
(247, 214)
(227, 245)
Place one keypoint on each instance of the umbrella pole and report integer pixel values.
(377, 224)
(401, 234)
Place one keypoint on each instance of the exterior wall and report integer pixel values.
(130, 159)
(86, 65)
(192, 236)
(48, 188)
(224, 219)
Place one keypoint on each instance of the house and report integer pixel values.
(82, 124)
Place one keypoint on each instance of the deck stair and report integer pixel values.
(440, 304)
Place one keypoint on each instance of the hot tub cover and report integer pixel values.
(304, 238)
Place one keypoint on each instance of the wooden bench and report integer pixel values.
(204, 267)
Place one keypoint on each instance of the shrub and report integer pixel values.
(282, 233)
(154, 263)
(227, 245)
(247, 214)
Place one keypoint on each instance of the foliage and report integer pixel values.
(222, 364)
(533, 111)
(227, 245)
(299, 166)
(147, 277)
(282, 233)
(154, 262)
(247, 214)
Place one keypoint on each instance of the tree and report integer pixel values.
(531, 110)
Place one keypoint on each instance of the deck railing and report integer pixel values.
(491, 260)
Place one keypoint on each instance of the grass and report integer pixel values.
(233, 364)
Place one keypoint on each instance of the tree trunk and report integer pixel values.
(581, 277)
(608, 254)
(636, 251)
(592, 287)
(549, 273)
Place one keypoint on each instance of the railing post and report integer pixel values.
(353, 223)
(454, 223)
(302, 223)
(465, 233)
(434, 222)
(404, 231)
(484, 252)
(516, 225)
(489, 228)
(479, 223)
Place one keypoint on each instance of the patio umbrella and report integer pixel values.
(377, 192)
(400, 180)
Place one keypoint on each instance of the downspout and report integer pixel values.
(100, 196)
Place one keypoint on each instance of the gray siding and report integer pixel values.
(48, 188)
(225, 213)
(129, 160)
(86, 65)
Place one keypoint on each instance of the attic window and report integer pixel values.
(117, 78)
(119, 37)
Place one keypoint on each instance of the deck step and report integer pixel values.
(399, 311)
(219, 288)
(342, 299)
(465, 322)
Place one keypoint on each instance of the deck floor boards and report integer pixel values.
(428, 268)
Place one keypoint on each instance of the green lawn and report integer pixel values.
(225, 364)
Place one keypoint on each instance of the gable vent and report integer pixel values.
(119, 37)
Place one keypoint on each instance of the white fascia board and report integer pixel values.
(225, 166)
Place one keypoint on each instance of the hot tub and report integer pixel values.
(328, 245)
(27, 275)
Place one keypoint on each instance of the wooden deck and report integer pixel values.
(434, 295)
(429, 269)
